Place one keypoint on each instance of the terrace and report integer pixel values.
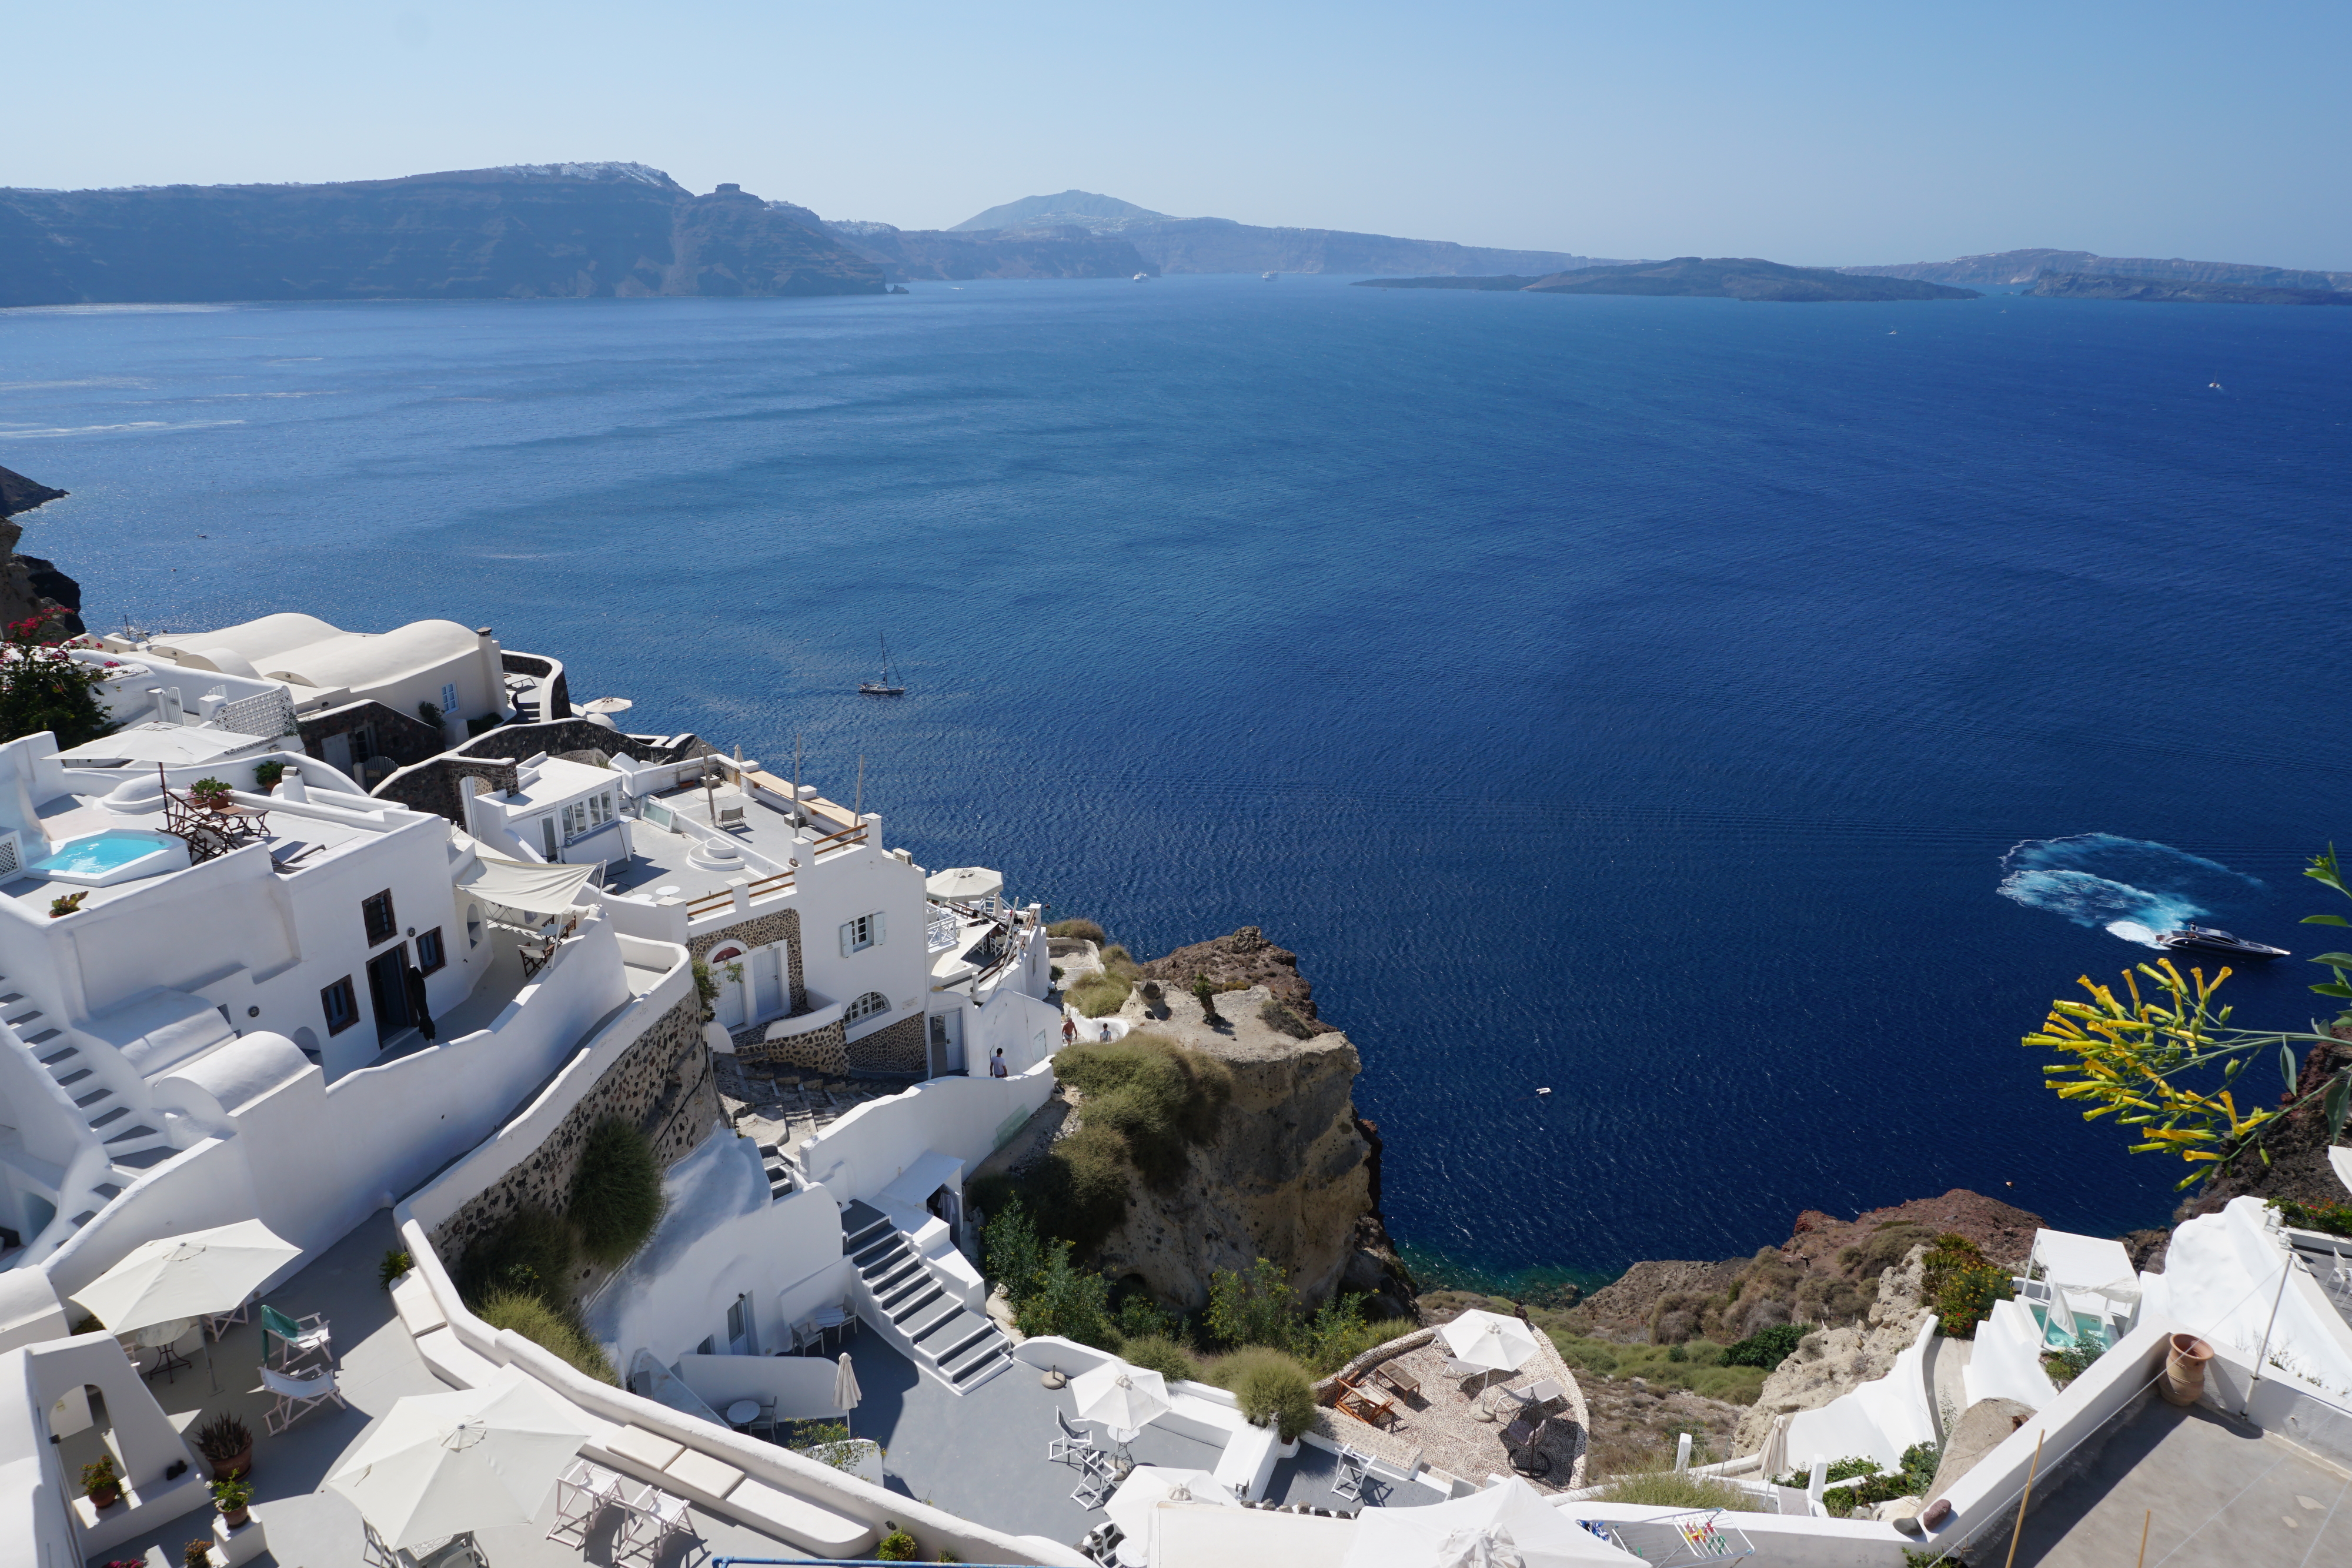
(377, 1364)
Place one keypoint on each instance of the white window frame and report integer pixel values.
(858, 1012)
(865, 931)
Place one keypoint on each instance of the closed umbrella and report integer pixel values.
(439, 1464)
(191, 1276)
(1775, 1448)
(846, 1392)
(1122, 1397)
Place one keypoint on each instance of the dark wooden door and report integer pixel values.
(388, 990)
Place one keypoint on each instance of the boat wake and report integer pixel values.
(2130, 888)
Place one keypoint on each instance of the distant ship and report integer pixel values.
(2210, 939)
(1143, 277)
(1267, 275)
(885, 686)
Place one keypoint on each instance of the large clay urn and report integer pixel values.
(2184, 1369)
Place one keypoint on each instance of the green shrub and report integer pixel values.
(1768, 1349)
(2333, 1219)
(1098, 994)
(1336, 1334)
(43, 687)
(1672, 1488)
(1141, 1317)
(1012, 1255)
(1962, 1284)
(1252, 1308)
(616, 1195)
(1078, 1191)
(1701, 1370)
(266, 775)
(826, 1442)
(1083, 930)
(528, 1253)
(1155, 1095)
(1271, 1388)
(706, 987)
(553, 1330)
(395, 1262)
(1120, 965)
(2065, 1366)
(1205, 993)
(896, 1547)
(1165, 1356)
(1277, 1017)
(1071, 1302)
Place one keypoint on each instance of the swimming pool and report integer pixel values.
(115, 855)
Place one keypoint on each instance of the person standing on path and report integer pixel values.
(996, 1068)
(1069, 1029)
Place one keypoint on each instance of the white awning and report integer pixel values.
(536, 889)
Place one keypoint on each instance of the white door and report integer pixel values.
(767, 968)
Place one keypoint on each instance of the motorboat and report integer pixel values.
(2212, 939)
(1267, 277)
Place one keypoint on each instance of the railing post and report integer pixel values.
(738, 888)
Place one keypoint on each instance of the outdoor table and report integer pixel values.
(742, 1413)
(162, 1338)
(1397, 1377)
(824, 1320)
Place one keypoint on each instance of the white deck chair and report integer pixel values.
(654, 1516)
(582, 1494)
(298, 1396)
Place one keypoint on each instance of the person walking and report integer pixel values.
(1069, 1029)
(996, 1068)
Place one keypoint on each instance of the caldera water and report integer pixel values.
(1738, 719)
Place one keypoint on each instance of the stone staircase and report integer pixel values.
(120, 1128)
(961, 1348)
(779, 1172)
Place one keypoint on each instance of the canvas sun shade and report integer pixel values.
(535, 889)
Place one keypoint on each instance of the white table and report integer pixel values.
(742, 1413)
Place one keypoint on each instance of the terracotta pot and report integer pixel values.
(238, 1520)
(106, 1498)
(2184, 1369)
(230, 1470)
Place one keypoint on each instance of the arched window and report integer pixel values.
(865, 1007)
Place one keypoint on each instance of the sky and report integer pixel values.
(1818, 134)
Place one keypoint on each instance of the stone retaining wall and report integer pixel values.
(760, 931)
(663, 1084)
(897, 1049)
(821, 1049)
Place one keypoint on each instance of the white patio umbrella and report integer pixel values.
(191, 1276)
(1122, 1397)
(441, 1463)
(965, 883)
(608, 704)
(846, 1392)
(1510, 1522)
(1148, 1486)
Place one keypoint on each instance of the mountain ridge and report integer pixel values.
(2003, 267)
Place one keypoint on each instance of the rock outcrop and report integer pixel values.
(554, 231)
(1830, 1361)
(1242, 960)
(29, 585)
(1052, 250)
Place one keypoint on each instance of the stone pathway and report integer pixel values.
(1439, 1428)
(787, 1109)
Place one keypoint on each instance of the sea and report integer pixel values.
(1687, 743)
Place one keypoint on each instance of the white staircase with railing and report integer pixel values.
(901, 1294)
(119, 1131)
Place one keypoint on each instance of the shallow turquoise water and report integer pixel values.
(99, 854)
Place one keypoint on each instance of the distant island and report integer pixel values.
(2007, 268)
(1721, 278)
(2103, 285)
(545, 231)
(1081, 234)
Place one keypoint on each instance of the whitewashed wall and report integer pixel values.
(964, 1118)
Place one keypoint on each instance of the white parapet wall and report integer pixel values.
(1878, 1420)
(966, 1119)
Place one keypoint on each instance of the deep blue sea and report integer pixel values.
(1650, 699)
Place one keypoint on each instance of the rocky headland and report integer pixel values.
(1999, 269)
(1720, 277)
(2174, 291)
(554, 231)
(30, 585)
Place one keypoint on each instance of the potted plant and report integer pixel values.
(102, 1481)
(66, 904)
(212, 794)
(266, 775)
(226, 1444)
(197, 1554)
(233, 1498)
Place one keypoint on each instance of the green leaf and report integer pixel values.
(2325, 920)
(2337, 988)
(2287, 1068)
(2339, 1100)
(2335, 960)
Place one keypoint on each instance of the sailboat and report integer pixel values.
(885, 686)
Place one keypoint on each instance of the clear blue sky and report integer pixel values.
(1819, 133)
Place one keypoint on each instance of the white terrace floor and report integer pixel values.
(308, 1528)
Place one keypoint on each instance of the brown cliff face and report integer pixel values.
(1242, 959)
(30, 586)
(1287, 1177)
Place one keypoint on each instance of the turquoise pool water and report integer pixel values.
(97, 854)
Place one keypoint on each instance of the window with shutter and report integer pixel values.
(860, 934)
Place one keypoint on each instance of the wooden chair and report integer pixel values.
(1366, 1406)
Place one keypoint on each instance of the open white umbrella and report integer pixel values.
(608, 704)
(965, 883)
(191, 1276)
(846, 1392)
(441, 1463)
(1489, 1340)
(1148, 1486)
(1122, 1397)
(1508, 1522)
